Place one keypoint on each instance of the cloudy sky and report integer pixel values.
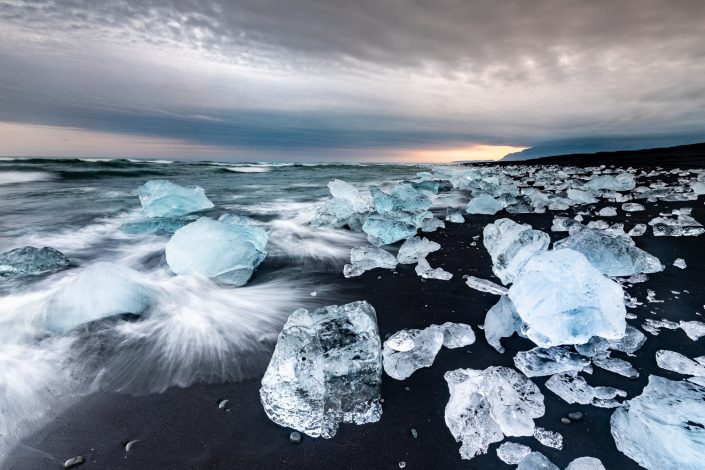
(340, 79)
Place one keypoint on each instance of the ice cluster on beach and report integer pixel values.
(29, 261)
(227, 250)
(162, 198)
(326, 369)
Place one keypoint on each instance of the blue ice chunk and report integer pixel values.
(162, 198)
(484, 204)
(226, 250)
(383, 231)
(403, 197)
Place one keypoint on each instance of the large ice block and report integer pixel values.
(381, 230)
(511, 245)
(162, 198)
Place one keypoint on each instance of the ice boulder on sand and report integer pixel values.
(485, 405)
(613, 255)
(415, 248)
(161, 198)
(407, 351)
(29, 261)
(621, 182)
(484, 204)
(511, 245)
(383, 231)
(662, 429)
(563, 299)
(326, 369)
(364, 258)
(99, 291)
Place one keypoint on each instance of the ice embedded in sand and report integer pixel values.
(511, 245)
(29, 261)
(662, 429)
(99, 291)
(415, 248)
(407, 351)
(485, 405)
(326, 369)
(227, 250)
(613, 255)
(484, 204)
(364, 258)
(162, 198)
(563, 299)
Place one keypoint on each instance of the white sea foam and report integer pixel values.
(18, 177)
(248, 169)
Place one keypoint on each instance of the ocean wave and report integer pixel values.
(18, 177)
(248, 169)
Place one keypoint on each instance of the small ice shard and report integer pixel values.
(454, 216)
(407, 351)
(572, 388)
(485, 405)
(694, 329)
(563, 299)
(511, 245)
(663, 427)
(415, 248)
(638, 230)
(30, 261)
(383, 231)
(457, 335)
(326, 369)
(99, 291)
(549, 438)
(226, 250)
(484, 285)
(607, 212)
(512, 453)
(678, 263)
(484, 204)
(585, 463)
(501, 321)
(676, 362)
(616, 365)
(621, 182)
(579, 196)
(612, 255)
(162, 198)
(632, 207)
(424, 270)
(364, 258)
(431, 225)
(548, 361)
(536, 461)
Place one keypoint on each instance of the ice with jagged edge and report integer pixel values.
(662, 429)
(402, 197)
(484, 204)
(680, 263)
(485, 285)
(548, 438)
(162, 198)
(632, 340)
(511, 245)
(454, 216)
(572, 388)
(28, 261)
(677, 362)
(536, 461)
(381, 230)
(364, 258)
(456, 335)
(612, 255)
(326, 369)
(501, 321)
(485, 405)
(585, 463)
(616, 365)
(407, 351)
(621, 182)
(227, 250)
(415, 248)
(100, 290)
(512, 453)
(157, 225)
(678, 225)
(424, 270)
(563, 299)
(347, 206)
(538, 362)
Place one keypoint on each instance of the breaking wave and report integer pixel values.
(18, 177)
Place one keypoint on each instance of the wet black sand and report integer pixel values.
(184, 428)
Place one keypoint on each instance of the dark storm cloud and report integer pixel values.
(393, 73)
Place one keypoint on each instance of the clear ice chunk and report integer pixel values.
(616, 365)
(162, 198)
(572, 388)
(612, 255)
(100, 290)
(676, 362)
(454, 216)
(680, 263)
(511, 245)
(538, 362)
(536, 461)
(225, 250)
(348, 195)
(581, 197)
(638, 230)
(662, 429)
(326, 369)
(364, 258)
(621, 182)
(501, 321)
(29, 261)
(485, 405)
(694, 329)
(415, 248)
(381, 230)
(484, 204)
(632, 207)
(585, 463)
(607, 212)
(484, 285)
(407, 351)
(457, 335)
(563, 299)
(424, 270)
(512, 453)
(549, 438)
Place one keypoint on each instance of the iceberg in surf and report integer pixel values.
(383, 231)
(346, 207)
(227, 250)
(326, 369)
(162, 198)
(99, 291)
(613, 255)
(511, 245)
(663, 427)
(29, 261)
(563, 299)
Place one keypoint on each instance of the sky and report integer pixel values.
(366, 80)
